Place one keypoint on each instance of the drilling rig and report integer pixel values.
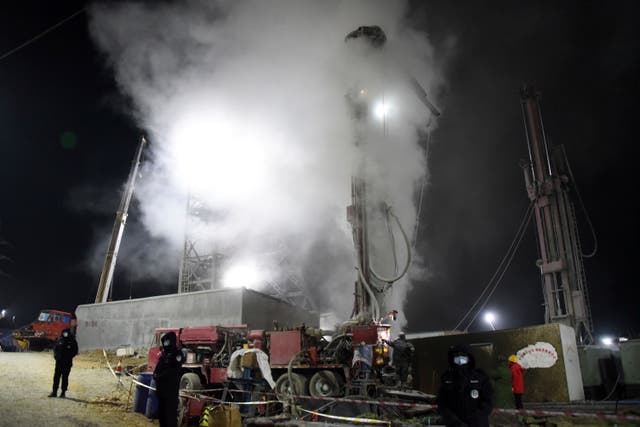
(355, 361)
(547, 177)
(367, 213)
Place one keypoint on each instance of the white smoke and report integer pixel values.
(244, 103)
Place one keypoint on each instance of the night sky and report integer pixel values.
(67, 141)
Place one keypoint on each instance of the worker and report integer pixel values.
(65, 349)
(517, 382)
(403, 352)
(465, 397)
(167, 378)
(501, 376)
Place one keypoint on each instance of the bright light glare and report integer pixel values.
(4, 313)
(244, 274)
(606, 341)
(381, 110)
(489, 317)
(623, 339)
(218, 153)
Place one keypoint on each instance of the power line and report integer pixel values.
(495, 286)
(508, 255)
(48, 30)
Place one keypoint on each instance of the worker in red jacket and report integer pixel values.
(517, 382)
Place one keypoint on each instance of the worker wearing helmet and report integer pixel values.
(167, 378)
(465, 397)
(64, 351)
(517, 382)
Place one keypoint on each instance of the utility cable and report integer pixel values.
(495, 286)
(584, 209)
(495, 274)
(615, 386)
(392, 242)
(48, 30)
(423, 183)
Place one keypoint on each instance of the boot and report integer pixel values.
(62, 395)
(52, 394)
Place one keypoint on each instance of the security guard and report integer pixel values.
(65, 350)
(465, 397)
(167, 377)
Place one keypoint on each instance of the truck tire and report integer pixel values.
(283, 387)
(188, 381)
(326, 384)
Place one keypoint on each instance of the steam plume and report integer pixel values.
(245, 106)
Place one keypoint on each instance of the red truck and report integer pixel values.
(43, 332)
(207, 351)
(353, 362)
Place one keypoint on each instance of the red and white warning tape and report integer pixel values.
(535, 412)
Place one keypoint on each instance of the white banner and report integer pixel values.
(538, 355)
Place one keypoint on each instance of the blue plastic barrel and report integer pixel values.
(151, 409)
(141, 394)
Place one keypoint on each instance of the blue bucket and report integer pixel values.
(151, 409)
(141, 394)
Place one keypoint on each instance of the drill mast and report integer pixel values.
(561, 268)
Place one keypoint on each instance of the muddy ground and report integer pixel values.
(94, 397)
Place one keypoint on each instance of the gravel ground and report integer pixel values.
(94, 397)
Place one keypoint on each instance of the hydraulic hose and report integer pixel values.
(391, 280)
(226, 340)
(376, 306)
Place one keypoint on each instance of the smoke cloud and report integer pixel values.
(246, 106)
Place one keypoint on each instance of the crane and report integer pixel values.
(106, 277)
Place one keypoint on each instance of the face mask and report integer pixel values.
(65, 334)
(461, 360)
(166, 343)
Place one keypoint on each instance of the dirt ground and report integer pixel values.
(94, 397)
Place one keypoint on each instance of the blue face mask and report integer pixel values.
(461, 360)
(65, 334)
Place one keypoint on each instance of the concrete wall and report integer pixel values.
(630, 358)
(261, 310)
(571, 363)
(558, 383)
(131, 322)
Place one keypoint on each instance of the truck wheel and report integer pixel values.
(325, 384)
(283, 387)
(188, 381)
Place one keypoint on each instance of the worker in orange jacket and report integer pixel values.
(517, 382)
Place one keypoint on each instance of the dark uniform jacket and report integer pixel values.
(167, 372)
(65, 349)
(402, 351)
(465, 397)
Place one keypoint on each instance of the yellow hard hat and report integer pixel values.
(513, 358)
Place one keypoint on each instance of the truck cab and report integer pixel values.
(47, 328)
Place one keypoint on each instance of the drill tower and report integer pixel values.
(563, 278)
